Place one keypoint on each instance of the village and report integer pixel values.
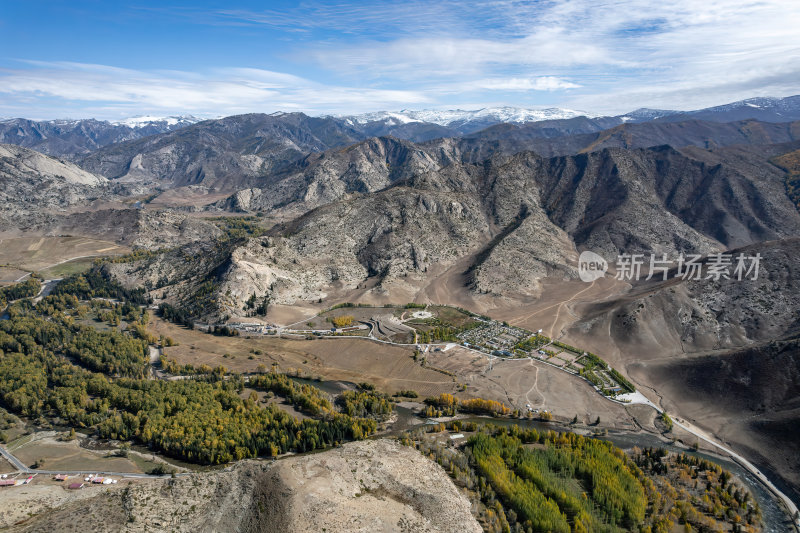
(413, 325)
(69, 481)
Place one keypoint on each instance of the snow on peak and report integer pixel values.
(143, 121)
(644, 114)
(449, 117)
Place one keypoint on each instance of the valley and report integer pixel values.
(234, 296)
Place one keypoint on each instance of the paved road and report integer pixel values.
(744, 463)
(792, 508)
(16, 463)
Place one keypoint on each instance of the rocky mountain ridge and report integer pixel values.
(511, 221)
(31, 182)
(75, 138)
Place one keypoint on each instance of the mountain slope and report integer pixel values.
(506, 223)
(229, 153)
(73, 138)
(723, 353)
(322, 178)
(31, 182)
(589, 136)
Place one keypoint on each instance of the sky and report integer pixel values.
(111, 60)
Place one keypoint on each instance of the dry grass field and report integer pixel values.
(390, 368)
(5, 467)
(187, 197)
(67, 455)
(10, 275)
(520, 382)
(34, 254)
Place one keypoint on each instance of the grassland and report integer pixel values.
(56, 454)
(34, 254)
(73, 266)
(390, 368)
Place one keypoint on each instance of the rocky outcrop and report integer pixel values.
(367, 486)
(32, 183)
(362, 487)
(228, 154)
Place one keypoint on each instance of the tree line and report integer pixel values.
(53, 366)
(27, 289)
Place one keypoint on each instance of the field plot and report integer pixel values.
(10, 275)
(390, 368)
(73, 266)
(39, 253)
(519, 382)
(55, 454)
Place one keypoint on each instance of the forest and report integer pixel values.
(448, 405)
(524, 480)
(53, 366)
(27, 289)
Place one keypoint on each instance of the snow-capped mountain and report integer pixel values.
(460, 117)
(71, 138)
(143, 121)
(766, 109)
(644, 114)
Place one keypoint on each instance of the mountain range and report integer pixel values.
(75, 138)
(485, 209)
(72, 138)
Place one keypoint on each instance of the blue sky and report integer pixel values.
(117, 59)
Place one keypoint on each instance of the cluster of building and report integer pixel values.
(253, 328)
(12, 480)
(6, 481)
(494, 337)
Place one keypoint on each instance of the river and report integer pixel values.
(775, 518)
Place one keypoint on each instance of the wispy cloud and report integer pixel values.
(386, 17)
(542, 83)
(718, 48)
(115, 92)
(380, 54)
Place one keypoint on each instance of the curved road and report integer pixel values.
(747, 465)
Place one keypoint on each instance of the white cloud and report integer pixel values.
(603, 57)
(110, 92)
(542, 83)
(721, 49)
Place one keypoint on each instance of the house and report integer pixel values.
(98, 480)
(75, 486)
(60, 477)
(7, 482)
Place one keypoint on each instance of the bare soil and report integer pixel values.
(390, 368)
(68, 455)
(38, 253)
